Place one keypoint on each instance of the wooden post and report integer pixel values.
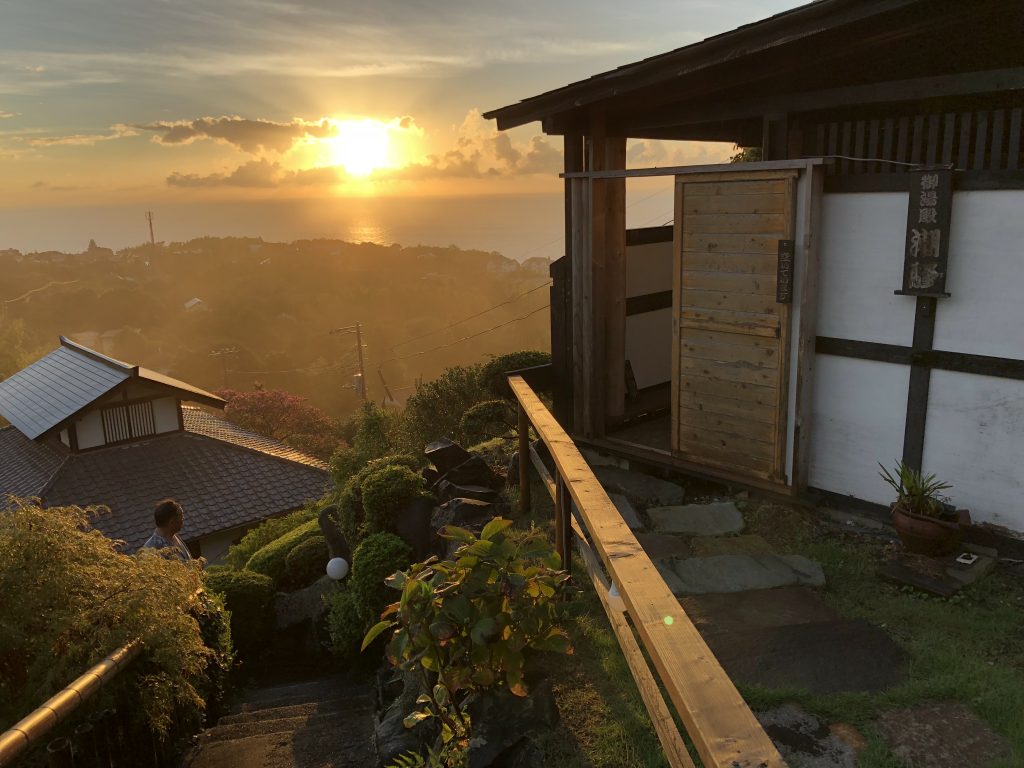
(559, 519)
(614, 298)
(566, 526)
(524, 461)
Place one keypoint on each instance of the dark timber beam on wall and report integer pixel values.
(920, 381)
(564, 392)
(613, 243)
(936, 359)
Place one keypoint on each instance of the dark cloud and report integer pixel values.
(253, 136)
(256, 174)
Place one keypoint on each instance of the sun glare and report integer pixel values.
(360, 147)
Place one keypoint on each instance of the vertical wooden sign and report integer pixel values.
(928, 218)
(784, 274)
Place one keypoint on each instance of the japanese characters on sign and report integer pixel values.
(928, 218)
(784, 275)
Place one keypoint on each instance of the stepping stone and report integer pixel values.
(758, 609)
(713, 519)
(748, 544)
(806, 741)
(626, 509)
(595, 459)
(666, 569)
(643, 490)
(663, 545)
(739, 573)
(944, 735)
(824, 657)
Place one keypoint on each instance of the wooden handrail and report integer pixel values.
(718, 720)
(58, 707)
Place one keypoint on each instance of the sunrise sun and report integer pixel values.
(360, 147)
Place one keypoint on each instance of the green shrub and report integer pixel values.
(356, 606)
(434, 410)
(248, 596)
(306, 563)
(273, 528)
(493, 374)
(271, 559)
(497, 452)
(385, 492)
(352, 514)
(491, 418)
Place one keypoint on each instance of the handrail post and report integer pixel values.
(524, 461)
(560, 543)
(58, 754)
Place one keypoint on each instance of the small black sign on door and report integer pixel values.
(928, 218)
(784, 276)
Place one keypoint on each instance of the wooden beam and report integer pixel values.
(582, 308)
(915, 89)
(615, 281)
(597, 160)
(729, 169)
(721, 726)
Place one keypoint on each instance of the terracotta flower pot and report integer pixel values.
(929, 535)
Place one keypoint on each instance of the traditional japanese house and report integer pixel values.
(853, 297)
(87, 429)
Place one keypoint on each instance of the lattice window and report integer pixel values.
(125, 422)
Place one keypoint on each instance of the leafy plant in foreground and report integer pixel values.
(466, 624)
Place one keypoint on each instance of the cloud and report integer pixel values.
(648, 153)
(118, 131)
(48, 187)
(253, 136)
(7, 115)
(260, 173)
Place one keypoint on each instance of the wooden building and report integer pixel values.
(854, 297)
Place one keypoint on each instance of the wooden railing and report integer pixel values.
(720, 724)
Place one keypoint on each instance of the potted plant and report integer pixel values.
(924, 519)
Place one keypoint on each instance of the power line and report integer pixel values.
(471, 317)
(464, 338)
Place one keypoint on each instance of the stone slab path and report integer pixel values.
(739, 573)
(715, 519)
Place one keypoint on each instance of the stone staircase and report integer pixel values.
(322, 723)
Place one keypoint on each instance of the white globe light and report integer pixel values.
(337, 568)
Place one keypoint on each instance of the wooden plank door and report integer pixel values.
(731, 335)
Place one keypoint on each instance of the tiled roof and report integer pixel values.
(221, 485)
(38, 398)
(212, 425)
(25, 465)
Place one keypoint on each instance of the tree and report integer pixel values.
(285, 417)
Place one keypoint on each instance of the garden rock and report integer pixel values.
(413, 526)
(474, 471)
(738, 573)
(390, 735)
(503, 723)
(805, 741)
(944, 735)
(291, 608)
(643, 490)
(447, 491)
(337, 545)
(461, 512)
(445, 455)
(715, 519)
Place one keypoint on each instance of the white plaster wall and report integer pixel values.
(861, 264)
(648, 268)
(985, 314)
(165, 414)
(89, 430)
(975, 440)
(215, 546)
(858, 417)
(649, 347)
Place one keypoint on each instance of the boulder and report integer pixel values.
(446, 491)
(413, 526)
(474, 471)
(337, 544)
(503, 724)
(390, 735)
(445, 454)
(291, 608)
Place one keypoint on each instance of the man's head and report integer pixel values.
(169, 516)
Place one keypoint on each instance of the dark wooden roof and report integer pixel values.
(53, 389)
(223, 475)
(823, 45)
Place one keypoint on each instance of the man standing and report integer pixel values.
(169, 518)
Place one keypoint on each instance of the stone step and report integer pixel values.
(738, 573)
(292, 693)
(714, 519)
(639, 488)
(359, 700)
(331, 744)
(242, 730)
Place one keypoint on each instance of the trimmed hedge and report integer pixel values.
(271, 560)
(493, 374)
(355, 519)
(306, 563)
(270, 529)
(248, 596)
(487, 420)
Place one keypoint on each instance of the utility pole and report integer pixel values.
(357, 329)
(149, 218)
(223, 355)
